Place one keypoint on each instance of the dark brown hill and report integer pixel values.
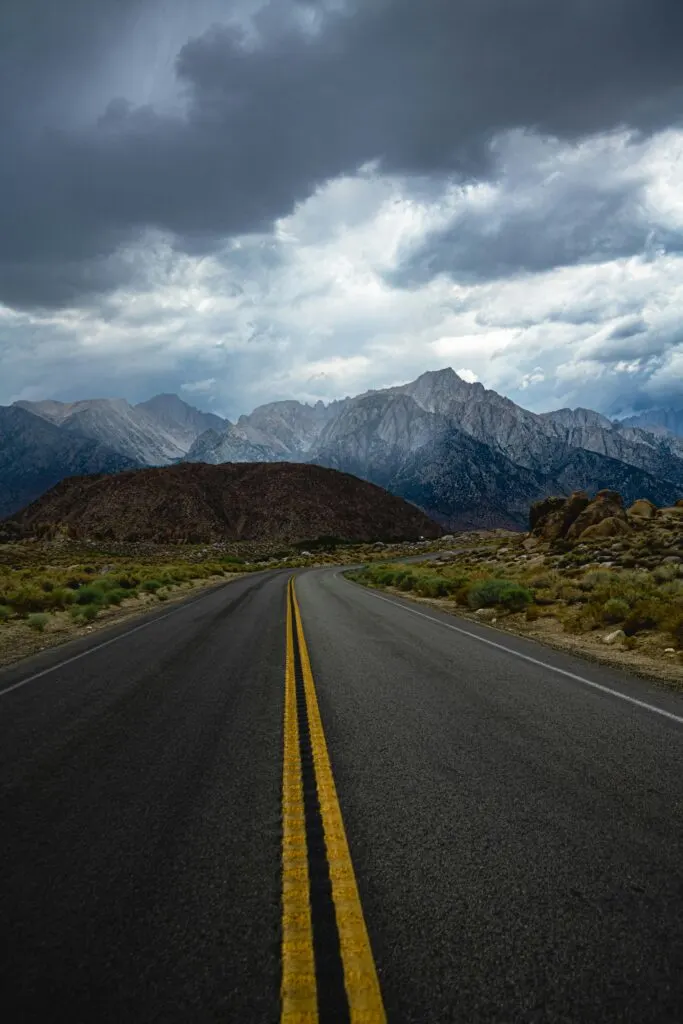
(198, 503)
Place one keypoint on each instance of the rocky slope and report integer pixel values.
(112, 421)
(232, 444)
(465, 454)
(199, 503)
(670, 420)
(153, 433)
(35, 454)
(181, 421)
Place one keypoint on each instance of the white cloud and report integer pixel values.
(310, 312)
(199, 387)
(467, 375)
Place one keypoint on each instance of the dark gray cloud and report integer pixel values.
(421, 88)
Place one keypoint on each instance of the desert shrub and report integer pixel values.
(407, 583)
(38, 621)
(672, 589)
(47, 585)
(533, 612)
(74, 582)
(5, 612)
(90, 595)
(59, 598)
(115, 597)
(151, 586)
(615, 609)
(510, 595)
(665, 573)
(127, 581)
(26, 600)
(597, 578)
(570, 593)
(432, 586)
(85, 612)
(676, 630)
(644, 615)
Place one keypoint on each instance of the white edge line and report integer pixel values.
(106, 643)
(524, 657)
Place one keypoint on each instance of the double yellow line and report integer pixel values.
(299, 991)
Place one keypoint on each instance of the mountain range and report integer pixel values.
(466, 455)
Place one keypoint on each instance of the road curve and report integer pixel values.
(515, 833)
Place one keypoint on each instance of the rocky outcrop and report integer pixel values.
(578, 518)
(643, 509)
(612, 526)
(607, 505)
(552, 518)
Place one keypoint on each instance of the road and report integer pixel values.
(333, 805)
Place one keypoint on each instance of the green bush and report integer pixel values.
(5, 612)
(59, 598)
(26, 600)
(615, 610)
(665, 573)
(151, 586)
(645, 614)
(506, 593)
(127, 581)
(432, 586)
(89, 595)
(85, 612)
(38, 621)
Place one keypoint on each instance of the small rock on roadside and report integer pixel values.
(486, 614)
(614, 637)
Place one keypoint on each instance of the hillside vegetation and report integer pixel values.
(588, 573)
(194, 503)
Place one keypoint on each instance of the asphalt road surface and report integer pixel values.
(327, 804)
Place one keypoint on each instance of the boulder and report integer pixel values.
(643, 509)
(541, 510)
(553, 517)
(614, 637)
(613, 526)
(486, 614)
(605, 505)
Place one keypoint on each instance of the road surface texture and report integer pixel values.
(322, 803)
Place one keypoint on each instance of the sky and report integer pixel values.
(242, 201)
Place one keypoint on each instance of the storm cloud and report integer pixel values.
(246, 200)
(310, 92)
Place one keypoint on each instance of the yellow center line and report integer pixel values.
(360, 975)
(298, 995)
